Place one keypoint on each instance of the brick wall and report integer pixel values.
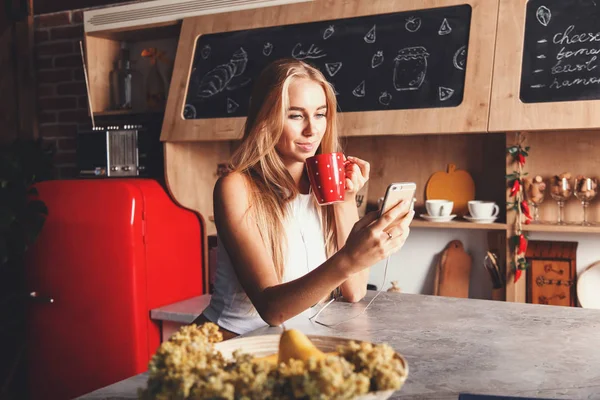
(62, 101)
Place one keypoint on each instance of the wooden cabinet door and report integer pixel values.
(547, 66)
(401, 75)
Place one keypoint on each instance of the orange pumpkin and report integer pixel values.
(456, 185)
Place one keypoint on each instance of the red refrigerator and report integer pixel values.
(110, 251)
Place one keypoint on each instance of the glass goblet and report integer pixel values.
(560, 190)
(535, 191)
(585, 190)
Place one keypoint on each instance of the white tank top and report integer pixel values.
(229, 306)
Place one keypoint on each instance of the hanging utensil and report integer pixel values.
(490, 262)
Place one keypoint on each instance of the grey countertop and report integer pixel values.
(459, 346)
(184, 311)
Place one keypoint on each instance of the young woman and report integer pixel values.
(279, 253)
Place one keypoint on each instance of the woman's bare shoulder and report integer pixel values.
(232, 190)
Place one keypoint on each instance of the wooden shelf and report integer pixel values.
(573, 228)
(420, 223)
(103, 49)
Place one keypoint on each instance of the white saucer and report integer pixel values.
(487, 220)
(433, 218)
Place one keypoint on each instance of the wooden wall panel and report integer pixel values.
(191, 173)
(98, 51)
(416, 158)
(470, 116)
(191, 166)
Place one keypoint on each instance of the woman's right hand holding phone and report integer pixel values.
(373, 239)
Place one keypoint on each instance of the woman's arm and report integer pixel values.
(277, 302)
(346, 215)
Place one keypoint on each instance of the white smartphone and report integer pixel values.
(397, 192)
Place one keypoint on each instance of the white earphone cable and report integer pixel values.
(314, 317)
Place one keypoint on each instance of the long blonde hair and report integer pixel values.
(270, 184)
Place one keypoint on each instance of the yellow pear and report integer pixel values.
(294, 344)
(274, 358)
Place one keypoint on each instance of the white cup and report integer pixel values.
(483, 209)
(439, 208)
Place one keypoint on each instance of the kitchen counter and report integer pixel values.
(461, 345)
(183, 312)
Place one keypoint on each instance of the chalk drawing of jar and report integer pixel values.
(410, 68)
(221, 77)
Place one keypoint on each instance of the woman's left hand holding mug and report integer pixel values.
(357, 174)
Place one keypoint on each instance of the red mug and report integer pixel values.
(327, 177)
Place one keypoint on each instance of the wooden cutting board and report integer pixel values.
(453, 271)
(455, 185)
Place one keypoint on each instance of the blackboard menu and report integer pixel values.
(393, 61)
(561, 51)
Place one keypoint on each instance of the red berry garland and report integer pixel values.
(518, 241)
